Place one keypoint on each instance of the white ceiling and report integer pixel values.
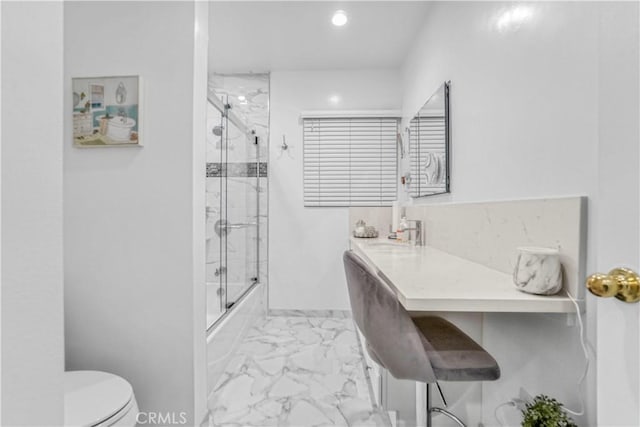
(260, 36)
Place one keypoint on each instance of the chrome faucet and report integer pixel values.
(122, 113)
(415, 232)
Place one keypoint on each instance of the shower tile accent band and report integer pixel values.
(248, 169)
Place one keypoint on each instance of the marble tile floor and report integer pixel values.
(296, 371)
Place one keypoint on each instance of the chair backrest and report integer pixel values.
(390, 333)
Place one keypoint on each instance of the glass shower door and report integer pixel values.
(237, 183)
(238, 227)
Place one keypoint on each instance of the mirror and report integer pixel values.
(121, 94)
(429, 146)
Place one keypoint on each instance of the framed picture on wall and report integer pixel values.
(106, 111)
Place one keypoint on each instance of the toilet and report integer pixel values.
(94, 398)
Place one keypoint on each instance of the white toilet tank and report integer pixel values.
(94, 398)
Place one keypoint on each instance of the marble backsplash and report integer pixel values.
(489, 232)
(379, 217)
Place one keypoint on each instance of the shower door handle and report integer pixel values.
(241, 225)
(222, 227)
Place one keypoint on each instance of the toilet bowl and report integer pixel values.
(94, 398)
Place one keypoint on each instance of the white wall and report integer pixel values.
(524, 116)
(198, 193)
(0, 217)
(618, 214)
(134, 272)
(306, 244)
(523, 99)
(32, 319)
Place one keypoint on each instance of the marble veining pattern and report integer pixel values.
(296, 371)
(538, 272)
(234, 191)
(489, 233)
(342, 314)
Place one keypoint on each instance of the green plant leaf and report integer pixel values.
(545, 411)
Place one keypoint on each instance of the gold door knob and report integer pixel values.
(622, 283)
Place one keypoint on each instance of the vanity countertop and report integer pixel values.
(428, 279)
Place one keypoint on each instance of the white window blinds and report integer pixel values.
(350, 161)
(427, 149)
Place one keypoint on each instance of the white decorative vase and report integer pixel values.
(538, 271)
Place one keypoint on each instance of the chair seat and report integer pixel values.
(453, 354)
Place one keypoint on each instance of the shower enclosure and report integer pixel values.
(237, 122)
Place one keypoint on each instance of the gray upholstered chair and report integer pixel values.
(425, 349)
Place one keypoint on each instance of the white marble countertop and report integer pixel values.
(427, 279)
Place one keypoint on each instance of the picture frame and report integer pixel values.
(106, 111)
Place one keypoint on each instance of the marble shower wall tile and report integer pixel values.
(253, 111)
(489, 232)
(232, 157)
(214, 120)
(240, 148)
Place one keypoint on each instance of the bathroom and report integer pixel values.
(104, 264)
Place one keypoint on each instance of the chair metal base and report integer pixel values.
(431, 410)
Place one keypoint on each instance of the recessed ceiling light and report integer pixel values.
(334, 99)
(513, 18)
(339, 18)
(242, 98)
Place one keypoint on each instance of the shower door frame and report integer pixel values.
(224, 108)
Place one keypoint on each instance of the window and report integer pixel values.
(350, 161)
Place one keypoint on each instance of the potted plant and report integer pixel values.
(545, 411)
